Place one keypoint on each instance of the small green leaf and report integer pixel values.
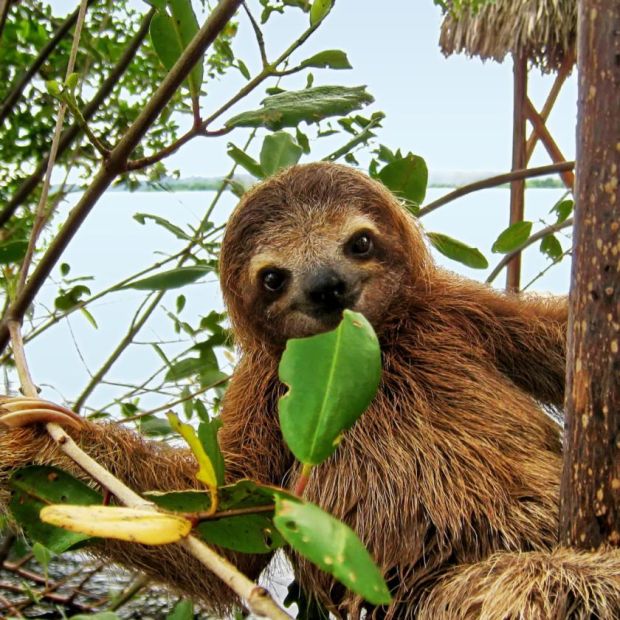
(174, 278)
(319, 10)
(53, 88)
(513, 237)
(65, 268)
(302, 140)
(251, 533)
(245, 72)
(37, 486)
(68, 299)
(164, 223)
(43, 555)
(407, 177)
(332, 59)
(458, 251)
(183, 610)
(171, 35)
(563, 210)
(89, 317)
(207, 433)
(332, 378)
(72, 81)
(184, 368)
(279, 151)
(311, 105)
(551, 247)
(332, 546)
(245, 161)
(12, 251)
(103, 615)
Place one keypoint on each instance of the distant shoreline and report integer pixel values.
(197, 184)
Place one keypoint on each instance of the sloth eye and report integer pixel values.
(361, 245)
(273, 280)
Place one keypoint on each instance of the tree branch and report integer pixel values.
(500, 179)
(18, 87)
(68, 136)
(543, 232)
(218, 18)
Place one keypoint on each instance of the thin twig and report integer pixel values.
(68, 137)
(543, 232)
(259, 35)
(42, 213)
(546, 269)
(23, 79)
(500, 179)
(214, 24)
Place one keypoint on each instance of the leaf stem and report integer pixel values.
(302, 481)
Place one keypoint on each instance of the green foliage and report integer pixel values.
(183, 610)
(174, 278)
(407, 177)
(279, 151)
(332, 546)
(311, 105)
(330, 59)
(512, 237)
(171, 32)
(550, 246)
(458, 251)
(332, 378)
(36, 486)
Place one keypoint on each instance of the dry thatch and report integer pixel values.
(544, 30)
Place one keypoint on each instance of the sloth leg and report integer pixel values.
(563, 583)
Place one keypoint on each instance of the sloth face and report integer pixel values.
(301, 287)
(310, 242)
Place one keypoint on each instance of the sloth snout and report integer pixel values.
(328, 292)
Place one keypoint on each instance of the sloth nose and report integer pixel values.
(327, 291)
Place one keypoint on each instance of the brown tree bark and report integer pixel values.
(590, 494)
(517, 187)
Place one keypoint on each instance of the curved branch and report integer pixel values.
(68, 136)
(500, 179)
(18, 88)
(216, 21)
(537, 236)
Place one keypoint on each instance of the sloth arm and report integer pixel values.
(524, 335)
(147, 465)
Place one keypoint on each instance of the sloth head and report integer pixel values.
(310, 242)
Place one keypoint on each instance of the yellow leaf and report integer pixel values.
(132, 524)
(206, 472)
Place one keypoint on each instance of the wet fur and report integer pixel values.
(451, 477)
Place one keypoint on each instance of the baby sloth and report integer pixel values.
(451, 478)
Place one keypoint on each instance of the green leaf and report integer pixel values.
(563, 210)
(242, 494)
(513, 237)
(319, 10)
(71, 298)
(279, 151)
(407, 177)
(332, 546)
(245, 161)
(171, 35)
(154, 426)
(551, 247)
(12, 251)
(302, 140)
(174, 278)
(312, 105)
(184, 368)
(251, 533)
(332, 59)
(164, 223)
(332, 378)
(207, 433)
(37, 486)
(458, 251)
(89, 317)
(183, 610)
(245, 72)
(43, 555)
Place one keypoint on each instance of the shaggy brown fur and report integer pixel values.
(454, 461)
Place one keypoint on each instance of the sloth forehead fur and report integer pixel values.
(310, 242)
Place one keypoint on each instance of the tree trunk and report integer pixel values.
(590, 494)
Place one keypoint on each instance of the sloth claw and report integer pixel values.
(18, 412)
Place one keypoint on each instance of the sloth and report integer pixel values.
(451, 477)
